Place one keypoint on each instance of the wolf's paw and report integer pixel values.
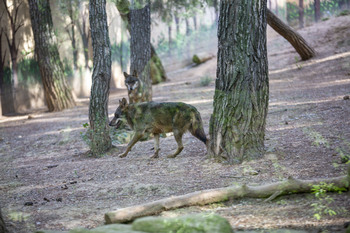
(154, 156)
(122, 155)
(171, 156)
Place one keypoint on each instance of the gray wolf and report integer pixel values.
(157, 118)
(135, 88)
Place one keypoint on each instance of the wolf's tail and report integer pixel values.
(196, 128)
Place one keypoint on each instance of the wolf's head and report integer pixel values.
(132, 82)
(119, 113)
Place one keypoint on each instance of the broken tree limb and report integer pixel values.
(288, 186)
(295, 39)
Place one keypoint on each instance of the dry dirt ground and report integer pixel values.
(48, 182)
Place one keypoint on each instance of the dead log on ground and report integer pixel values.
(289, 186)
(201, 58)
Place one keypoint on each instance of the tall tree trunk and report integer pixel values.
(14, 27)
(72, 34)
(140, 45)
(301, 13)
(215, 4)
(237, 125)
(195, 22)
(317, 5)
(188, 30)
(2, 62)
(177, 22)
(13, 46)
(121, 51)
(14, 69)
(170, 41)
(57, 94)
(6, 90)
(84, 30)
(101, 76)
(7, 99)
(341, 4)
(156, 64)
(295, 39)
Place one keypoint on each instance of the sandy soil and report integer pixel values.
(47, 181)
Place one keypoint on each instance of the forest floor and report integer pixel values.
(48, 181)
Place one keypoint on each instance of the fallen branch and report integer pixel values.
(204, 197)
(295, 39)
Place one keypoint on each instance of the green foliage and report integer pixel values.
(183, 43)
(96, 138)
(299, 66)
(292, 13)
(328, 8)
(7, 76)
(121, 53)
(196, 59)
(323, 204)
(345, 158)
(205, 81)
(343, 13)
(317, 138)
(118, 136)
(188, 223)
(67, 68)
(28, 71)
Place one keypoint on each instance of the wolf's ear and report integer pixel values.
(125, 74)
(134, 73)
(124, 102)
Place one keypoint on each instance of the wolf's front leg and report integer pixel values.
(133, 141)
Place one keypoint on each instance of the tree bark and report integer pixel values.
(7, 103)
(170, 41)
(295, 39)
(57, 94)
(204, 197)
(13, 46)
(215, 4)
(195, 22)
(177, 22)
(317, 5)
(188, 30)
(158, 73)
(84, 31)
(101, 76)
(71, 32)
(140, 44)
(3, 228)
(301, 13)
(237, 125)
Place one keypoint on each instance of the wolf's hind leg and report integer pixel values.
(178, 137)
(156, 146)
(133, 141)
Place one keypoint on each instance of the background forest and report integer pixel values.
(275, 107)
(178, 32)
